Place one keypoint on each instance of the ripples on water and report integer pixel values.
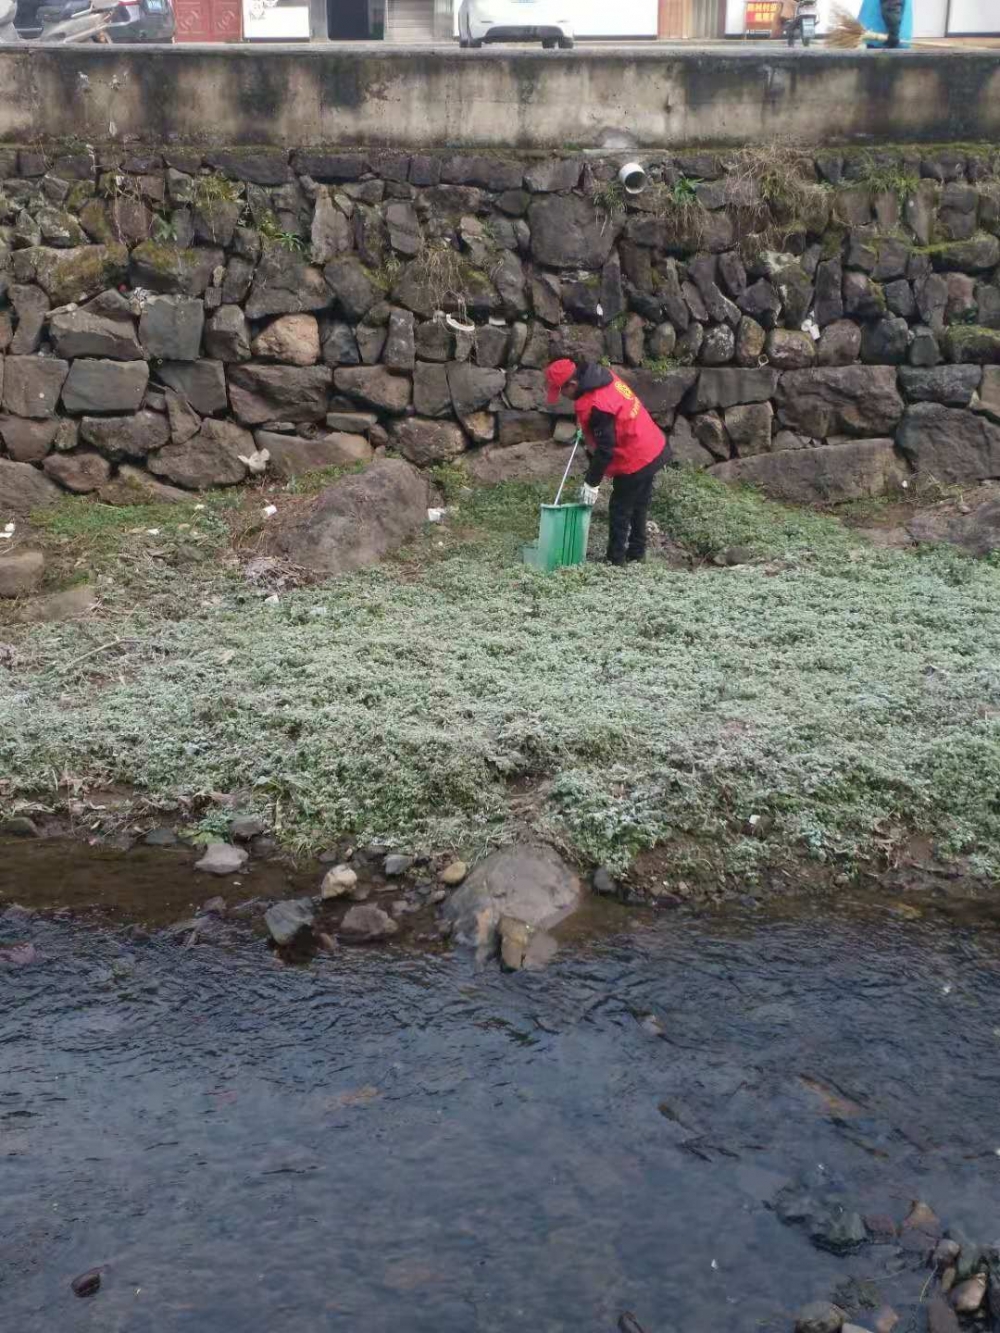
(394, 1141)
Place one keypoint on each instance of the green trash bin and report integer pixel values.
(562, 537)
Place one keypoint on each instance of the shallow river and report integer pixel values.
(393, 1140)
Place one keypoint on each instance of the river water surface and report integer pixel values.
(395, 1140)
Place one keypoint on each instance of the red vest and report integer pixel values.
(638, 439)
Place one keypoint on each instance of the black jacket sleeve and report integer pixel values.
(602, 428)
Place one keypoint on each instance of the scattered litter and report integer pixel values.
(715, 1264)
(946, 988)
(435, 515)
(906, 485)
(317, 610)
(199, 506)
(152, 532)
(8, 531)
(268, 510)
(257, 462)
(272, 600)
(810, 326)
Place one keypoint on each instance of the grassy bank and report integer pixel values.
(848, 693)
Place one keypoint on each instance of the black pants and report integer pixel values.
(630, 497)
(892, 17)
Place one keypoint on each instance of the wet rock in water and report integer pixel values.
(396, 865)
(222, 858)
(969, 1295)
(453, 874)
(948, 1279)
(530, 883)
(828, 1224)
(945, 1254)
(367, 923)
(214, 907)
(922, 1217)
(19, 955)
(886, 1320)
(819, 1317)
(338, 881)
(882, 1229)
(246, 828)
(629, 1324)
(87, 1284)
(941, 1318)
(603, 882)
(161, 837)
(286, 919)
(18, 826)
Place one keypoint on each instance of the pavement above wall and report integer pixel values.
(420, 98)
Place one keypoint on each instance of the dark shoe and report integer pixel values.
(636, 557)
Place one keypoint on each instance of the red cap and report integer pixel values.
(558, 374)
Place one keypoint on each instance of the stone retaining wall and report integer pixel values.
(819, 324)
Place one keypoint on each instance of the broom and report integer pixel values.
(845, 33)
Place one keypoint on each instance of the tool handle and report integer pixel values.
(576, 444)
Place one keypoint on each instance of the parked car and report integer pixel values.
(514, 21)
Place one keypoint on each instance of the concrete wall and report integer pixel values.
(419, 98)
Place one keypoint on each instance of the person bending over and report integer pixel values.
(623, 442)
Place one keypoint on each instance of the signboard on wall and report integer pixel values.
(761, 15)
(275, 20)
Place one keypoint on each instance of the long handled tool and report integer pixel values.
(577, 438)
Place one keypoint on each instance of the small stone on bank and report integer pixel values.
(820, 1317)
(396, 865)
(222, 858)
(87, 1284)
(453, 874)
(161, 837)
(603, 881)
(285, 919)
(968, 1296)
(338, 881)
(18, 826)
(366, 923)
(246, 828)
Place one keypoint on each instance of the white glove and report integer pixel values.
(588, 494)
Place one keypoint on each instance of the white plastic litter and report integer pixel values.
(272, 600)
(152, 532)
(435, 515)
(256, 463)
(269, 510)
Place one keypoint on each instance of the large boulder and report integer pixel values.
(360, 519)
(81, 471)
(260, 393)
(23, 488)
(431, 393)
(425, 441)
(227, 334)
(291, 339)
(31, 305)
(660, 394)
(830, 474)
(529, 461)
(952, 445)
(351, 287)
(75, 275)
(105, 386)
(291, 455)
(172, 268)
(213, 457)
(284, 284)
(954, 386)
(126, 437)
(171, 326)
(977, 532)
(531, 884)
(568, 232)
(473, 387)
(28, 440)
(82, 333)
(840, 400)
(135, 486)
(724, 387)
(32, 384)
(374, 385)
(202, 383)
